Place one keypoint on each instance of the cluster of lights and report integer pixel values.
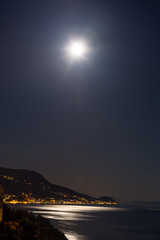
(29, 199)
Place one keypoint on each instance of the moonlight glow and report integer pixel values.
(77, 49)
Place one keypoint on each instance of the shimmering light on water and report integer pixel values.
(69, 216)
(74, 237)
(65, 216)
(70, 213)
(71, 208)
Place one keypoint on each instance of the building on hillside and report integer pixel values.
(1, 202)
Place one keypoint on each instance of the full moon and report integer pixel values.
(77, 49)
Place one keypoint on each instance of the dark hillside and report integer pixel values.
(20, 182)
(16, 181)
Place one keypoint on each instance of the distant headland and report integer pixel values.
(30, 187)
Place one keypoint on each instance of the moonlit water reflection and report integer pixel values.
(68, 217)
(101, 223)
(74, 236)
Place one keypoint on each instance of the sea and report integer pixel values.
(101, 222)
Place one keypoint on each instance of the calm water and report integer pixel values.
(102, 223)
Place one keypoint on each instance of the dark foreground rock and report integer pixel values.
(22, 225)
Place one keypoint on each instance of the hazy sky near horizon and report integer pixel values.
(91, 125)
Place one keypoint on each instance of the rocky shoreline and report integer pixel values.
(22, 225)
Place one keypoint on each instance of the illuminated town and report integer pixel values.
(30, 199)
(28, 188)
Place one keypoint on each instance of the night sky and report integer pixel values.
(91, 125)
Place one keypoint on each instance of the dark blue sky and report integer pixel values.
(93, 126)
